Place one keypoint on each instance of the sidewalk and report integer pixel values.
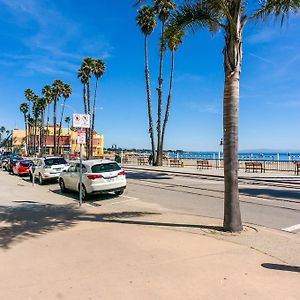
(51, 249)
(267, 176)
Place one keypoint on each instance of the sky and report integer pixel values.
(43, 40)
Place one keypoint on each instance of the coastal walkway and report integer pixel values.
(278, 177)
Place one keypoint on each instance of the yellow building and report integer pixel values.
(68, 142)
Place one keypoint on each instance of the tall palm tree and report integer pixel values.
(29, 94)
(24, 109)
(36, 114)
(83, 78)
(2, 130)
(173, 38)
(68, 121)
(86, 70)
(147, 22)
(66, 93)
(42, 105)
(48, 95)
(163, 8)
(231, 17)
(99, 69)
(57, 87)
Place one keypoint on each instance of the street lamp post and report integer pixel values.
(220, 150)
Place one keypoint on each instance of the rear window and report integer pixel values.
(102, 168)
(26, 163)
(55, 161)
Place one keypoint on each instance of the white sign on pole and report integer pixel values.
(81, 121)
(81, 137)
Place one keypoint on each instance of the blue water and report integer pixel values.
(242, 156)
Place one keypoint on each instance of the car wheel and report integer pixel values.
(62, 185)
(119, 193)
(84, 193)
(41, 180)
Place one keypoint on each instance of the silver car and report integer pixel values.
(99, 176)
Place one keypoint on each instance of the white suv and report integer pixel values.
(48, 168)
(99, 176)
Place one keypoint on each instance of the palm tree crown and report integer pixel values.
(146, 19)
(163, 9)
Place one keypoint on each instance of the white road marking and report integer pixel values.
(292, 228)
(130, 199)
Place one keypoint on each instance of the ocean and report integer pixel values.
(288, 156)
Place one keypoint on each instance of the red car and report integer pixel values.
(22, 167)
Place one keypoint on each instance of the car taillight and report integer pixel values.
(121, 173)
(92, 177)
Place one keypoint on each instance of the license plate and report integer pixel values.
(110, 179)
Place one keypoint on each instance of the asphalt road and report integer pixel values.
(271, 204)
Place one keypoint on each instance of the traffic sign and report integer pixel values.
(81, 137)
(81, 121)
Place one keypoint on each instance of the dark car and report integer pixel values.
(12, 162)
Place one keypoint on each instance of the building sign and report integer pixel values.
(81, 121)
(81, 137)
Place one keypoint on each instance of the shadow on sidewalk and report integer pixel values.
(281, 267)
(31, 219)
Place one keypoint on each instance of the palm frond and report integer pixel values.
(279, 9)
(199, 14)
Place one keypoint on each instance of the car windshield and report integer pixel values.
(55, 161)
(102, 168)
(26, 163)
(16, 158)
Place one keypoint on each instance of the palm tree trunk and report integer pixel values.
(168, 103)
(93, 117)
(149, 101)
(84, 98)
(34, 135)
(159, 92)
(60, 125)
(26, 135)
(54, 125)
(88, 130)
(47, 129)
(232, 66)
(42, 132)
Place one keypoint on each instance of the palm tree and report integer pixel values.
(173, 38)
(42, 105)
(29, 94)
(68, 121)
(2, 130)
(83, 78)
(163, 9)
(99, 69)
(24, 109)
(48, 95)
(57, 87)
(147, 22)
(66, 92)
(85, 73)
(231, 17)
(36, 114)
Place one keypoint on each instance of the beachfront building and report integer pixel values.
(68, 142)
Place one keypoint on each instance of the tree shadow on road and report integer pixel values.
(272, 193)
(31, 220)
(281, 267)
(147, 175)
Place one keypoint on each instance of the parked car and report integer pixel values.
(22, 167)
(12, 161)
(47, 168)
(4, 160)
(99, 176)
